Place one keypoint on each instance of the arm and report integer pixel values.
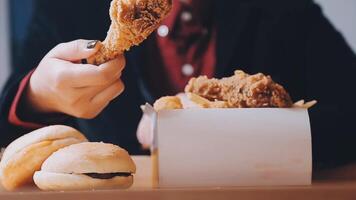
(58, 85)
(41, 37)
(330, 67)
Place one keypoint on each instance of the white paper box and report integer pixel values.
(232, 147)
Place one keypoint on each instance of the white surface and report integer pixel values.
(342, 14)
(233, 147)
(4, 42)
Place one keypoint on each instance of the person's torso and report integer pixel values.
(250, 36)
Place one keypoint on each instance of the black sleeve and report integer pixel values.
(55, 22)
(330, 67)
(42, 36)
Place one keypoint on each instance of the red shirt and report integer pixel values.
(183, 47)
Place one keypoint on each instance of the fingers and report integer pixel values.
(75, 50)
(108, 94)
(90, 102)
(80, 90)
(85, 75)
(110, 70)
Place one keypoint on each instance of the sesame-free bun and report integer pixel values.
(66, 168)
(26, 154)
(68, 182)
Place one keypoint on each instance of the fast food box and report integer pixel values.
(231, 147)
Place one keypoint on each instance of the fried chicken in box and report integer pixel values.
(241, 91)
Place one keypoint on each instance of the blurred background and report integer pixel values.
(15, 15)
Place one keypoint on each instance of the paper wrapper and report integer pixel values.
(232, 147)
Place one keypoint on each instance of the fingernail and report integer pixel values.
(92, 44)
(84, 61)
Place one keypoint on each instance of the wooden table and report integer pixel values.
(332, 184)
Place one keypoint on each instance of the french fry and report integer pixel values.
(299, 103)
(310, 104)
(303, 104)
(200, 101)
(205, 103)
(219, 104)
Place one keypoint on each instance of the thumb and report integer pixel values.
(75, 50)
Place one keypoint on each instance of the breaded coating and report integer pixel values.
(241, 91)
(168, 103)
(132, 22)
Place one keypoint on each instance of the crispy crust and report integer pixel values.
(241, 91)
(132, 22)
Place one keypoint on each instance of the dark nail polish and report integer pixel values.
(92, 44)
(84, 61)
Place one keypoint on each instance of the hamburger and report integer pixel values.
(24, 156)
(86, 166)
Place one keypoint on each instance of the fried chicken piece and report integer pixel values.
(132, 22)
(241, 91)
(168, 103)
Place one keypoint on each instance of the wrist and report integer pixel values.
(34, 102)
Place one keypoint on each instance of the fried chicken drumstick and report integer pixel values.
(132, 22)
(241, 91)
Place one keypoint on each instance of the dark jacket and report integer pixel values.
(290, 40)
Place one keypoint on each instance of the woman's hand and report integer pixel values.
(60, 84)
